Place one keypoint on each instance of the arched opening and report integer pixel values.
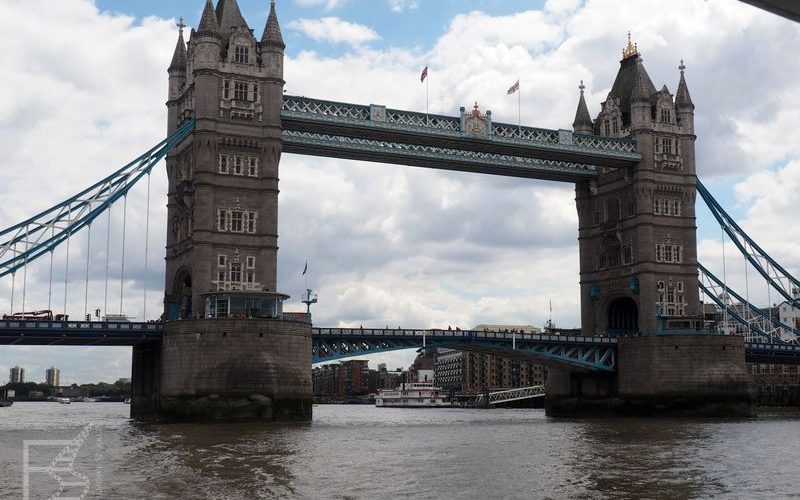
(183, 295)
(623, 318)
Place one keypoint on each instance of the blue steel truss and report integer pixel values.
(752, 317)
(356, 148)
(38, 235)
(585, 353)
(777, 277)
(376, 123)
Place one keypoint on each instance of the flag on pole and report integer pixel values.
(513, 88)
(305, 269)
(424, 74)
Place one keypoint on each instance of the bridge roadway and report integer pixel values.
(328, 344)
(467, 143)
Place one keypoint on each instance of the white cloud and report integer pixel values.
(329, 4)
(334, 30)
(403, 5)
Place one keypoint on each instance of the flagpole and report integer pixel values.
(519, 109)
(427, 85)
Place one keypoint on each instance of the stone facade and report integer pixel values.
(223, 180)
(686, 375)
(236, 369)
(637, 240)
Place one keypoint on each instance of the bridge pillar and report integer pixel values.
(236, 369)
(226, 352)
(145, 379)
(682, 375)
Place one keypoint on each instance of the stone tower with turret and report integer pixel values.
(222, 236)
(231, 356)
(637, 239)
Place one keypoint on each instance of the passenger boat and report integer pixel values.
(413, 395)
(63, 401)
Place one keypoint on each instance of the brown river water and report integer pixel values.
(363, 452)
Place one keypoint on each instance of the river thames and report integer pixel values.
(363, 452)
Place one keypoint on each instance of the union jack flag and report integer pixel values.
(513, 88)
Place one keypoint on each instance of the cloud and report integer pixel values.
(403, 5)
(334, 30)
(329, 4)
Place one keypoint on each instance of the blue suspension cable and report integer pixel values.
(122, 266)
(146, 247)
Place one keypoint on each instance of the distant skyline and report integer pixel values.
(386, 244)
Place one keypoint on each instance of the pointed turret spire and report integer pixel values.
(229, 17)
(272, 30)
(682, 97)
(583, 120)
(208, 21)
(642, 88)
(179, 56)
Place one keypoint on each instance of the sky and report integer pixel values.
(85, 84)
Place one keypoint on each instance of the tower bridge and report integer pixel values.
(224, 350)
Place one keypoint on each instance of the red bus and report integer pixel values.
(45, 315)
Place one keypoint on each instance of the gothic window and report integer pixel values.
(237, 165)
(250, 262)
(222, 219)
(250, 277)
(627, 253)
(240, 91)
(596, 217)
(675, 208)
(665, 146)
(667, 207)
(236, 273)
(666, 116)
(614, 124)
(670, 298)
(669, 253)
(223, 163)
(613, 210)
(252, 168)
(222, 260)
(606, 128)
(250, 222)
(226, 89)
(220, 277)
(236, 221)
(241, 55)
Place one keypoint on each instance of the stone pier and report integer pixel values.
(670, 375)
(226, 370)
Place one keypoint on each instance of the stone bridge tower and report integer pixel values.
(222, 238)
(638, 251)
(231, 356)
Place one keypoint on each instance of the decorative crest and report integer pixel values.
(180, 25)
(632, 49)
(682, 67)
(476, 111)
(581, 87)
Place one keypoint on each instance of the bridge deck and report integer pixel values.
(329, 344)
(374, 133)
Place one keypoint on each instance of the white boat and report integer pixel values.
(413, 395)
(63, 401)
